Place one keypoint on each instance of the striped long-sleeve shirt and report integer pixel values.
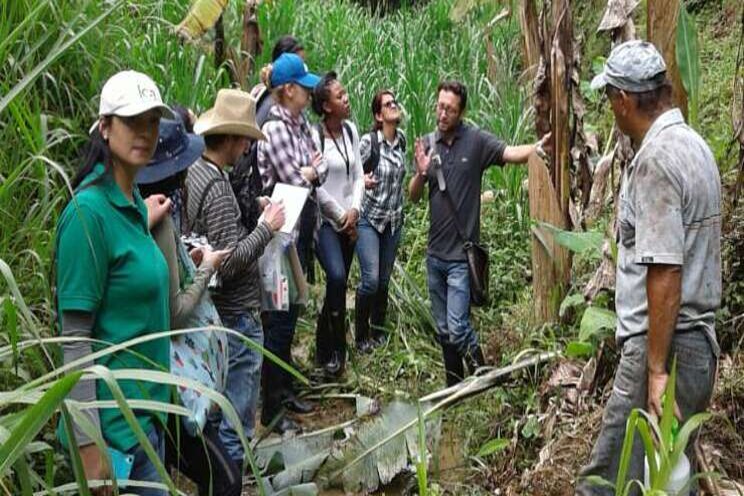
(213, 211)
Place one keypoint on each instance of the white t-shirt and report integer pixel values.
(343, 189)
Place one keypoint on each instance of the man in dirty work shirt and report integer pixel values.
(669, 259)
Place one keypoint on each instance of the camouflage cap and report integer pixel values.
(635, 66)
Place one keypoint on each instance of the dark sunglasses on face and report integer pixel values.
(391, 104)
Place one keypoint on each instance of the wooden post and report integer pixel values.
(661, 30)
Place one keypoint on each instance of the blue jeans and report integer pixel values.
(143, 469)
(243, 381)
(449, 290)
(335, 252)
(696, 372)
(376, 252)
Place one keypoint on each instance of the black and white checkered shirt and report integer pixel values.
(384, 203)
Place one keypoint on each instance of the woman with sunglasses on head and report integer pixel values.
(288, 156)
(340, 200)
(112, 280)
(382, 153)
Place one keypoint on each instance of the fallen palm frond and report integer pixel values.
(366, 453)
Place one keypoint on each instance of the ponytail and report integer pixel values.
(95, 151)
(265, 75)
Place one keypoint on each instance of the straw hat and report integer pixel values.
(234, 112)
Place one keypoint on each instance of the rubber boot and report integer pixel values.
(475, 360)
(335, 367)
(323, 338)
(271, 401)
(362, 309)
(377, 319)
(453, 367)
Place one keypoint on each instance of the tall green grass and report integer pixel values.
(56, 56)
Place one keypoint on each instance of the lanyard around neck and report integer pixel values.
(344, 154)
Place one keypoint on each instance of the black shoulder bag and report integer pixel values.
(476, 254)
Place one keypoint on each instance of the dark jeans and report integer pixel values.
(279, 327)
(143, 469)
(203, 459)
(335, 252)
(276, 384)
(449, 291)
(376, 252)
(696, 370)
(243, 380)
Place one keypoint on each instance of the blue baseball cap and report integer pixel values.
(290, 68)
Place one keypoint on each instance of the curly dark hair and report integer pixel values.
(322, 92)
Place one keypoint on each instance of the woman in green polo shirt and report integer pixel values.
(112, 280)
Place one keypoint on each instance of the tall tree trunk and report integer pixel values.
(250, 42)
(530, 39)
(661, 30)
(550, 185)
(219, 42)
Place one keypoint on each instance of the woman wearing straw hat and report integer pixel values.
(193, 445)
(212, 211)
(112, 281)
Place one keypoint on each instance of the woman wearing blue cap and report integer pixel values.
(193, 445)
(289, 156)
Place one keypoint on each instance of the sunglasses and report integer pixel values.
(391, 104)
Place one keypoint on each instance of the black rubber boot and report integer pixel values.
(362, 309)
(453, 367)
(377, 318)
(475, 359)
(272, 396)
(335, 367)
(323, 339)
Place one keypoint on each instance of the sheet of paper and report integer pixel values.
(293, 198)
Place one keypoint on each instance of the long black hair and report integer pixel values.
(95, 151)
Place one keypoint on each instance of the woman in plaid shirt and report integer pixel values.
(289, 156)
(383, 154)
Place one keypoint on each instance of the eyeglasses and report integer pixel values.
(391, 104)
(447, 110)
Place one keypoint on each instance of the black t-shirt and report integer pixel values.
(472, 152)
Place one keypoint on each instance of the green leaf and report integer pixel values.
(588, 242)
(34, 419)
(531, 428)
(667, 411)
(594, 321)
(692, 424)
(688, 60)
(493, 446)
(11, 324)
(571, 301)
(579, 349)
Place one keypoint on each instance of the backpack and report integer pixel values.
(245, 178)
(373, 160)
(321, 138)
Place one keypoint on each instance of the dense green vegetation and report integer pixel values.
(56, 56)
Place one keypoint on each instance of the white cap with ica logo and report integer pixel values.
(129, 93)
